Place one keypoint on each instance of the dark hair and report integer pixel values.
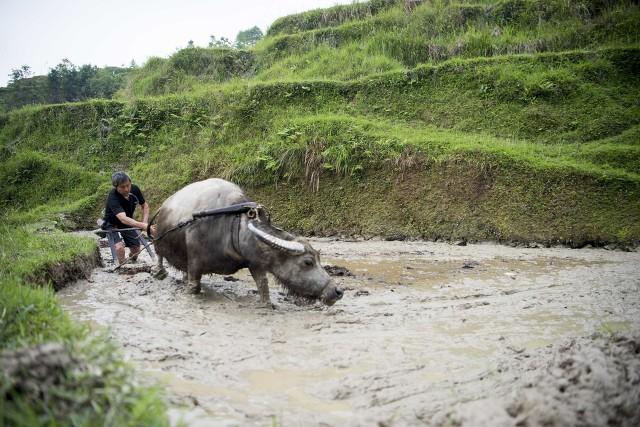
(119, 178)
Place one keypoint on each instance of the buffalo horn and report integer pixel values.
(276, 242)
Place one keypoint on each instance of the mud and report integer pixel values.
(427, 333)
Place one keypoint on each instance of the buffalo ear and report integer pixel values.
(276, 242)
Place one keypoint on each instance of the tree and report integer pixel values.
(23, 72)
(107, 81)
(221, 42)
(248, 38)
(23, 89)
(62, 82)
(65, 82)
(84, 76)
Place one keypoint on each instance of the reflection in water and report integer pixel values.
(427, 273)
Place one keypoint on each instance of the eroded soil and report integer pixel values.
(427, 333)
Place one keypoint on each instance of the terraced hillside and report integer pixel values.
(511, 120)
(504, 120)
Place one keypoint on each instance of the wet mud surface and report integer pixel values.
(427, 333)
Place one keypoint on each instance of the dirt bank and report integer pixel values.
(59, 274)
(426, 333)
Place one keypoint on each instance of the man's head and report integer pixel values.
(122, 183)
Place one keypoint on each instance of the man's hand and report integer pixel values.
(150, 230)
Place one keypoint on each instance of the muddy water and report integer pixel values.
(421, 329)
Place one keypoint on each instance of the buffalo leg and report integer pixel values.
(263, 286)
(193, 277)
(159, 272)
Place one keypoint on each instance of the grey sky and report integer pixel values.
(41, 33)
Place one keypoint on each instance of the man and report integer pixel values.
(118, 213)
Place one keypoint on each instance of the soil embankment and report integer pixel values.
(426, 333)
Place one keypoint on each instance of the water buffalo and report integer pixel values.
(197, 242)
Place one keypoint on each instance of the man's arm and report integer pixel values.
(145, 212)
(131, 222)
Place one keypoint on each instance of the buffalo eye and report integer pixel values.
(308, 262)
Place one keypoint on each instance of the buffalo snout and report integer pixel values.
(331, 294)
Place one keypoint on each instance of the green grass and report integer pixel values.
(31, 315)
(32, 179)
(505, 120)
(104, 391)
(44, 195)
(349, 63)
(328, 17)
(352, 41)
(530, 113)
(41, 194)
(437, 31)
(542, 98)
(26, 249)
(507, 189)
(187, 68)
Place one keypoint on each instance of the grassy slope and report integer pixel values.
(41, 195)
(526, 121)
(437, 31)
(97, 388)
(349, 42)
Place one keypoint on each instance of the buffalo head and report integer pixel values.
(297, 266)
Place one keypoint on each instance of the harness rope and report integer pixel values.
(251, 208)
(233, 209)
